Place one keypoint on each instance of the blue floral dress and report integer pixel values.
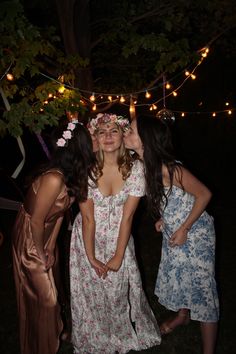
(186, 273)
(109, 315)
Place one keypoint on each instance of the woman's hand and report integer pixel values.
(159, 225)
(50, 258)
(99, 267)
(179, 237)
(114, 263)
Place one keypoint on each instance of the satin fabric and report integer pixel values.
(40, 322)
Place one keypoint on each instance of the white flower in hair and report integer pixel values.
(67, 134)
(61, 142)
(71, 126)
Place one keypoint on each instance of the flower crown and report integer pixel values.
(102, 118)
(66, 135)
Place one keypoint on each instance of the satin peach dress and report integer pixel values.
(40, 322)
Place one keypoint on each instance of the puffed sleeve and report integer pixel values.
(136, 181)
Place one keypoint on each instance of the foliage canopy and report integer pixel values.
(124, 46)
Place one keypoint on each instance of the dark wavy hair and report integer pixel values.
(75, 160)
(158, 151)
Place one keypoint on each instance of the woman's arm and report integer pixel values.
(202, 197)
(88, 231)
(50, 187)
(124, 233)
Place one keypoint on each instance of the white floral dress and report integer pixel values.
(186, 273)
(109, 315)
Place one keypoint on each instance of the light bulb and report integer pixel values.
(61, 89)
(10, 77)
(147, 94)
(92, 97)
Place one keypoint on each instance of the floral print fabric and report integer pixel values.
(186, 273)
(109, 315)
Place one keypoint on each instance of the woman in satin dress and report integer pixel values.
(53, 190)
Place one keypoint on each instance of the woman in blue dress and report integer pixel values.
(185, 282)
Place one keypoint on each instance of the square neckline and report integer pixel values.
(113, 195)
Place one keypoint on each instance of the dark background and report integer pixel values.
(207, 146)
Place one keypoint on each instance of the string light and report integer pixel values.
(122, 99)
(92, 97)
(10, 77)
(132, 108)
(153, 107)
(188, 73)
(61, 89)
(204, 52)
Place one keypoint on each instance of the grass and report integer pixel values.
(184, 340)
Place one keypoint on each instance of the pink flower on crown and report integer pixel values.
(107, 118)
(61, 142)
(67, 134)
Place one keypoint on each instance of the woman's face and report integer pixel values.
(132, 139)
(109, 137)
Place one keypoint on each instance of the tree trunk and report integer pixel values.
(74, 18)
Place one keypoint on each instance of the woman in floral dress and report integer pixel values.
(185, 281)
(110, 312)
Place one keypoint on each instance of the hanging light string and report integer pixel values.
(111, 98)
(71, 87)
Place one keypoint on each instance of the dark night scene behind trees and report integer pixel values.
(71, 59)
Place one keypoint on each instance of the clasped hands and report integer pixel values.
(102, 269)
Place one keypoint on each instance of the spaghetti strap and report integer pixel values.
(53, 170)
